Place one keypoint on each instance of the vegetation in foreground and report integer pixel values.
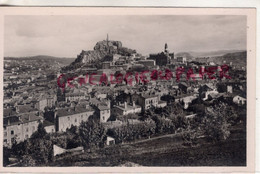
(204, 140)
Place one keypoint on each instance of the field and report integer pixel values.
(166, 151)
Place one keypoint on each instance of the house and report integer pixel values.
(161, 104)
(20, 128)
(51, 100)
(238, 99)
(49, 126)
(127, 109)
(74, 96)
(205, 90)
(110, 141)
(146, 101)
(40, 103)
(181, 60)
(183, 87)
(66, 117)
(104, 113)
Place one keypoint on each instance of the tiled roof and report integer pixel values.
(13, 120)
(148, 96)
(101, 108)
(24, 118)
(28, 117)
(47, 123)
(9, 112)
(26, 108)
(72, 110)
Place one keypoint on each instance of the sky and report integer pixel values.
(67, 36)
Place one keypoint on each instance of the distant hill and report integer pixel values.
(184, 54)
(238, 59)
(192, 54)
(62, 60)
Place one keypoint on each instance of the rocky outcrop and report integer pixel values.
(102, 50)
(106, 45)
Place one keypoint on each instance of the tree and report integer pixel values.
(40, 149)
(40, 133)
(215, 124)
(92, 133)
(6, 155)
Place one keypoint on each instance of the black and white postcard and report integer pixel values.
(128, 87)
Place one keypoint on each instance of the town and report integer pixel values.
(112, 96)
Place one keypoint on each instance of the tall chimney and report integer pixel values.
(125, 105)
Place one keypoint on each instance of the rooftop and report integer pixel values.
(25, 118)
(72, 110)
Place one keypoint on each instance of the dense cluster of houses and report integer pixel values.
(25, 109)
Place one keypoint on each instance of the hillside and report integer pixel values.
(192, 54)
(238, 59)
(62, 60)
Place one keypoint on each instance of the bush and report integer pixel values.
(190, 137)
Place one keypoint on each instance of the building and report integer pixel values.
(40, 104)
(183, 87)
(160, 59)
(104, 113)
(207, 89)
(20, 128)
(74, 96)
(146, 101)
(148, 63)
(181, 60)
(66, 117)
(51, 100)
(110, 141)
(128, 109)
(49, 126)
(239, 100)
(106, 65)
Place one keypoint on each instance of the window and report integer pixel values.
(68, 118)
(27, 129)
(5, 140)
(26, 136)
(5, 134)
(13, 140)
(103, 118)
(12, 132)
(75, 120)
